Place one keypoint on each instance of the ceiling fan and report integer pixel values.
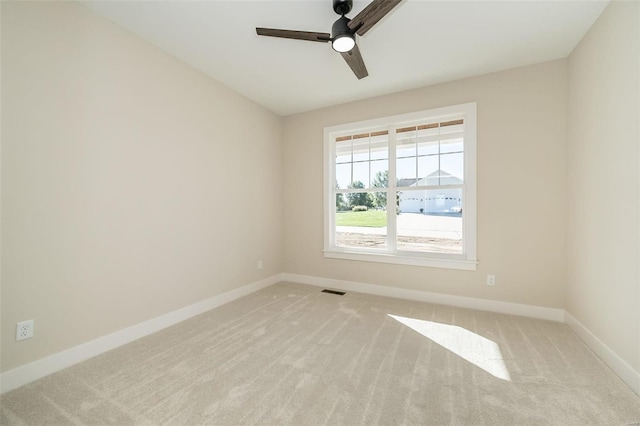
(343, 31)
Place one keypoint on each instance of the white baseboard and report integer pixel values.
(24, 374)
(531, 311)
(606, 354)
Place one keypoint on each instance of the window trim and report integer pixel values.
(465, 261)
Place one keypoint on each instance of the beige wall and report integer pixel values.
(521, 187)
(603, 171)
(115, 156)
(132, 184)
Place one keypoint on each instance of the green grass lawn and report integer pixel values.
(370, 218)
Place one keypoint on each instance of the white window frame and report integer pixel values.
(465, 261)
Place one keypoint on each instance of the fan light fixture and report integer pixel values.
(344, 31)
(342, 40)
(343, 43)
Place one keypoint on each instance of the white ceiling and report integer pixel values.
(418, 44)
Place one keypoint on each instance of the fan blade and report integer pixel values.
(370, 15)
(355, 62)
(297, 35)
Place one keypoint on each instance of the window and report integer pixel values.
(402, 189)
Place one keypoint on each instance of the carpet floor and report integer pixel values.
(292, 355)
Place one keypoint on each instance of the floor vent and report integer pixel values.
(339, 293)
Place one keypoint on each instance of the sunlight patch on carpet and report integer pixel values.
(478, 350)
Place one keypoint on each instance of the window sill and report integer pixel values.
(433, 262)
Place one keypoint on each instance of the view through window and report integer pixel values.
(405, 187)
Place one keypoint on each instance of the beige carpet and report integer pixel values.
(290, 354)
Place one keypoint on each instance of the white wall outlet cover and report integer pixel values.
(24, 330)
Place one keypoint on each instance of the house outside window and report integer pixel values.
(402, 189)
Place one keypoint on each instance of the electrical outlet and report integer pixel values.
(491, 280)
(259, 264)
(24, 330)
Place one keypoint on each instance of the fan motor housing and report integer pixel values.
(342, 7)
(340, 27)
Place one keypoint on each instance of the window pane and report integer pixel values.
(406, 171)
(452, 167)
(355, 166)
(428, 170)
(379, 147)
(360, 175)
(343, 175)
(433, 178)
(451, 145)
(340, 159)
(406, 148)
(430, 221)
(343, 151)
(365, 225)
(380, 174)
(428, 148)
(361, 149)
